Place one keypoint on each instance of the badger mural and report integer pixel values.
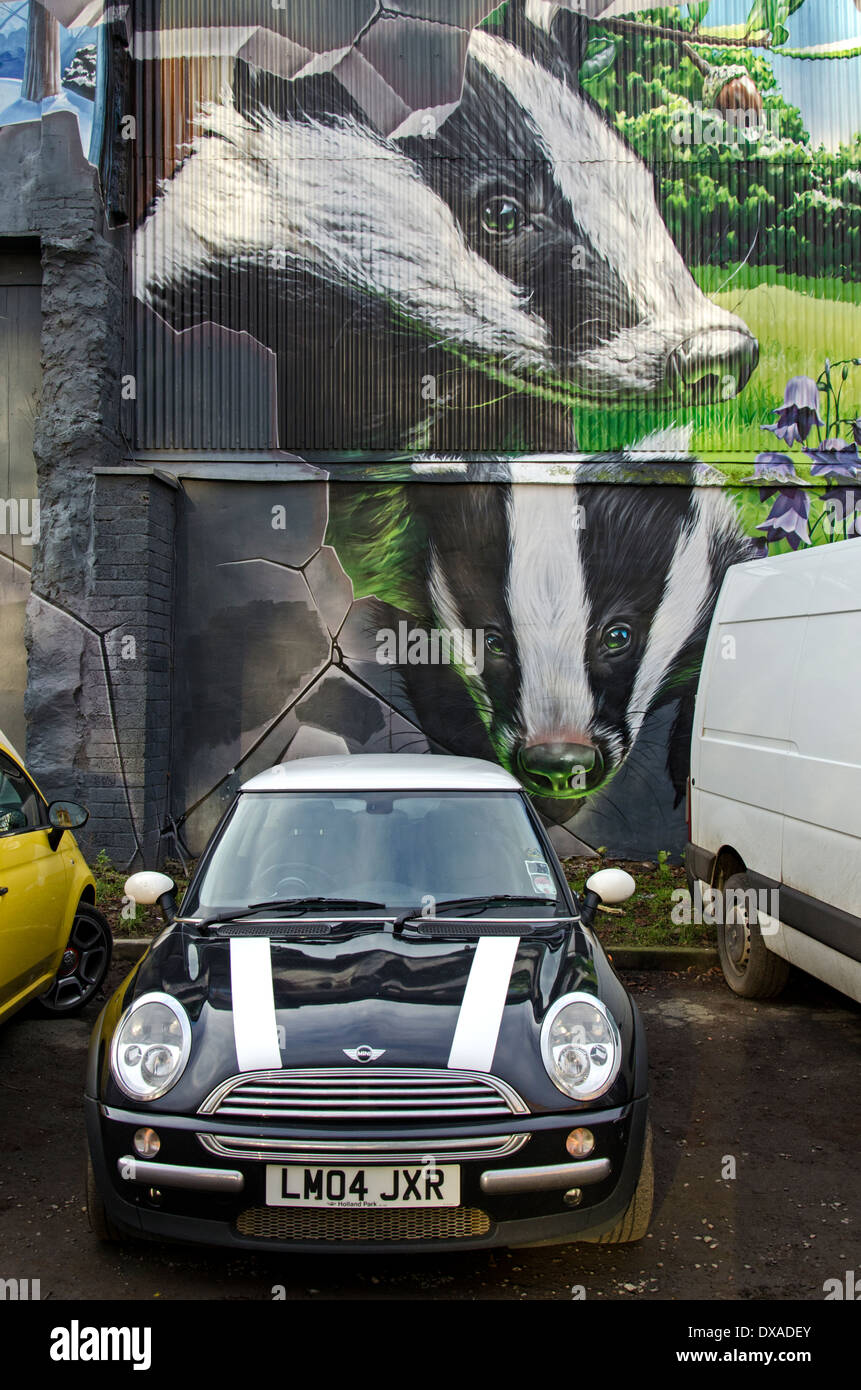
(453, 290)
(508, 276)
(586, 607)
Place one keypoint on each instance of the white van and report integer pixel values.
(774, 797)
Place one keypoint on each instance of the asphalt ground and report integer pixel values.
(767, 1091)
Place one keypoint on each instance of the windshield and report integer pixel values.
(400, 849)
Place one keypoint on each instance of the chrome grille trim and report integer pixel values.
(360, 1150)
(385, 1095)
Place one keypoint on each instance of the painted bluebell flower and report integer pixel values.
(787, 520)
(776, 469)
(799, 412)
(835, 459)
(856, 433)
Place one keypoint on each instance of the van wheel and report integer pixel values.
(634, 1223)
(101, 1224)
(749, 968)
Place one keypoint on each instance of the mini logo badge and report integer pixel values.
(363, 1053)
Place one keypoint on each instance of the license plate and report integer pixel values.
(297, 1186)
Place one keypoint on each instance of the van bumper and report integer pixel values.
(699, 864)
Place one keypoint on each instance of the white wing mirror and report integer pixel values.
(147, 887)
(611, 885)
(606, 886)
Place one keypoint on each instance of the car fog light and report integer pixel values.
(573, 1197)
(147, 1143)
(580, 1143)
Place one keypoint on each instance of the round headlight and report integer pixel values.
(581, 1046)
(150, 1047)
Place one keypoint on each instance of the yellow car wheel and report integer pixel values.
(84, 965)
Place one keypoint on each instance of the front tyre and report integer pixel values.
(749, 968)
(84, 965)
(634, 1222)
(100, 1223)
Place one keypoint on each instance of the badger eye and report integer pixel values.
(617, 637)
(502, 216)
(494, 643)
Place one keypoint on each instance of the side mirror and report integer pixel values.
(65, 815)
(612, 885)
(606, 886)
(148, 887)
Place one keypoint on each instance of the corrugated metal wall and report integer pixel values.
(351, 252)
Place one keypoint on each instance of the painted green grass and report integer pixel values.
(798, 321)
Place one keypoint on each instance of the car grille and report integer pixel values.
(448, 1223)
(361, 1151)
(386, 1096)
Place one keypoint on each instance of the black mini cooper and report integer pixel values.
(381, 1020)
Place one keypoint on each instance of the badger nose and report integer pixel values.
(559, 769)
(714, 364)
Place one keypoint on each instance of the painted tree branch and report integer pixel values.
(682, 37)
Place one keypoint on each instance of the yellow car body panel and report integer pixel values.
(43, 887)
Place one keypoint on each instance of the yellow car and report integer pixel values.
(54, 946)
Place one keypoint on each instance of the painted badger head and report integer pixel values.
(455, 293)
(592, 602)
(551, 196)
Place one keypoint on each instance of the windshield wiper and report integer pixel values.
(493, 900)
(464, 904)
(286, 905)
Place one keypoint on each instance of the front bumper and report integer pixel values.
(514, 1200)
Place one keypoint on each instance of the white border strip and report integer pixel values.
(480, 1016)
(255, 1032)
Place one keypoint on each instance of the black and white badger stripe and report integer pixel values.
(552, 570)
(366, 264)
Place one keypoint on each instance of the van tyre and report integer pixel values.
(634, 1223)
(101, 1224)
(749, 968)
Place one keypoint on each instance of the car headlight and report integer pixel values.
(151, 1046)
(580, 1046)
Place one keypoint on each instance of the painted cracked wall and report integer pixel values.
(492, 228)
(555, 626)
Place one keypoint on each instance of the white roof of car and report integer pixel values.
(365, 772)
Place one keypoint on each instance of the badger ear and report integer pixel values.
(549, 33)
